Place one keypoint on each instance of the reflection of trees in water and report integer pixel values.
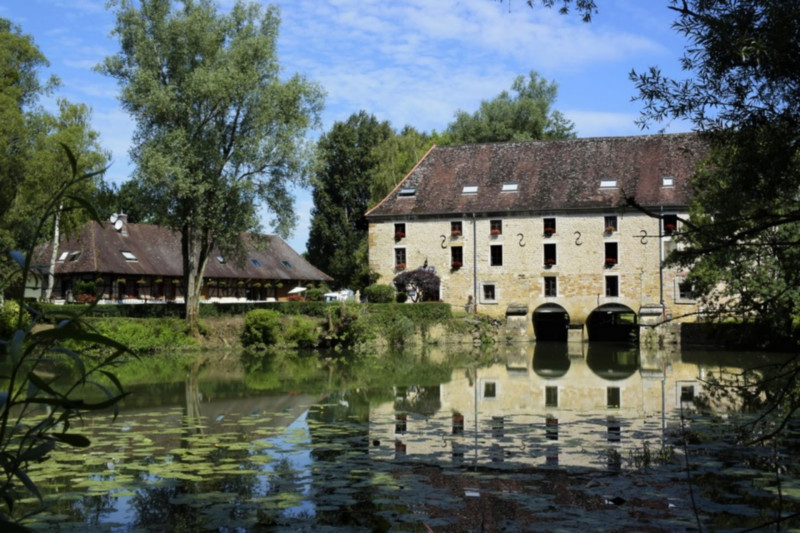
(425, 401)
(769, 392)
(341, 461)
(155, 507)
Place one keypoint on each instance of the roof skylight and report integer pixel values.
(510, 187)
(608, 183)
(256, 262)
(469, 189)
(408, 191)
(129, 256)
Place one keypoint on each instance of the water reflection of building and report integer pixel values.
(541, 406)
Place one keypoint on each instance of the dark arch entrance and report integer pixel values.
(613, 322)
(550, 323)
(550, 359)
(612, 360)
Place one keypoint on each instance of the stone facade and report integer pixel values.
(519, 270)
(511, 252)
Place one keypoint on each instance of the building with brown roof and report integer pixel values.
(541, 229)
(143, 262)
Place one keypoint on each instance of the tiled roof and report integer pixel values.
(550, 176)
(157, 252)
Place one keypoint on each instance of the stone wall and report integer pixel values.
(581, 274)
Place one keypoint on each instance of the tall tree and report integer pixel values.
(396, 156)
(217, 129)
(33, 163)
(341, 192)
(525, 115)
(742, 242)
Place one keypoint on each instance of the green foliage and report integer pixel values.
(37, 409)
(741, 241)
(262, 328)
(525, 116)
(302, 332)
(396, 156)
(421, 282)
(145, 335)
(341, 194)
(10, 318)
(218, 128)
(379, 294)
(315, 295)
(85, 287)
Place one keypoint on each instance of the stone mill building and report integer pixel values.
(543, 233)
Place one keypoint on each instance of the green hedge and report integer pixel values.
(420, 314)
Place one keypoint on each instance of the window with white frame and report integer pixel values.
(683, 292)
(488, 293)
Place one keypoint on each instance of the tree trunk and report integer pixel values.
(195, 257)
(51, 274)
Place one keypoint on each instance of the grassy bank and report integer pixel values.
(305, 326)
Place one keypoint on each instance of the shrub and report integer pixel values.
(302, 331)
(262, 327)
(314, 295)
(9, 315)
(379, 294)
(85, 287)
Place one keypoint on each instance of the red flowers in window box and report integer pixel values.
(549, 231)
(455, 233)
(495, 231)
(669, 228)
(455, 265)
(610, 262)
(549, 262)
(399, 235)
(400, 266)
(610, 229)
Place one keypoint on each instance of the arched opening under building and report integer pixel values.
(550, 323)
(613, 322)
(551, 359)
(612, 360)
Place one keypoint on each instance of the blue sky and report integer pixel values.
(411, 62)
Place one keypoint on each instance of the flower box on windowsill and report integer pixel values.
(400, 266)
(399, 235)
(669, 229)
(610, 262)
(455, 265)
(455, 233)
(549, 263)
(495, 232)
(548, 232)
(609, 230)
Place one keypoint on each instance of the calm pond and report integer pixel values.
(527, 437)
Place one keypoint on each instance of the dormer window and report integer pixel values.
(63, 257)
(73, 256)
(510, 187)
(407, 191)
(220, 260)
(287, 264)
(469, 189)
(608, 183)
(129, 256)
(256, 263)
